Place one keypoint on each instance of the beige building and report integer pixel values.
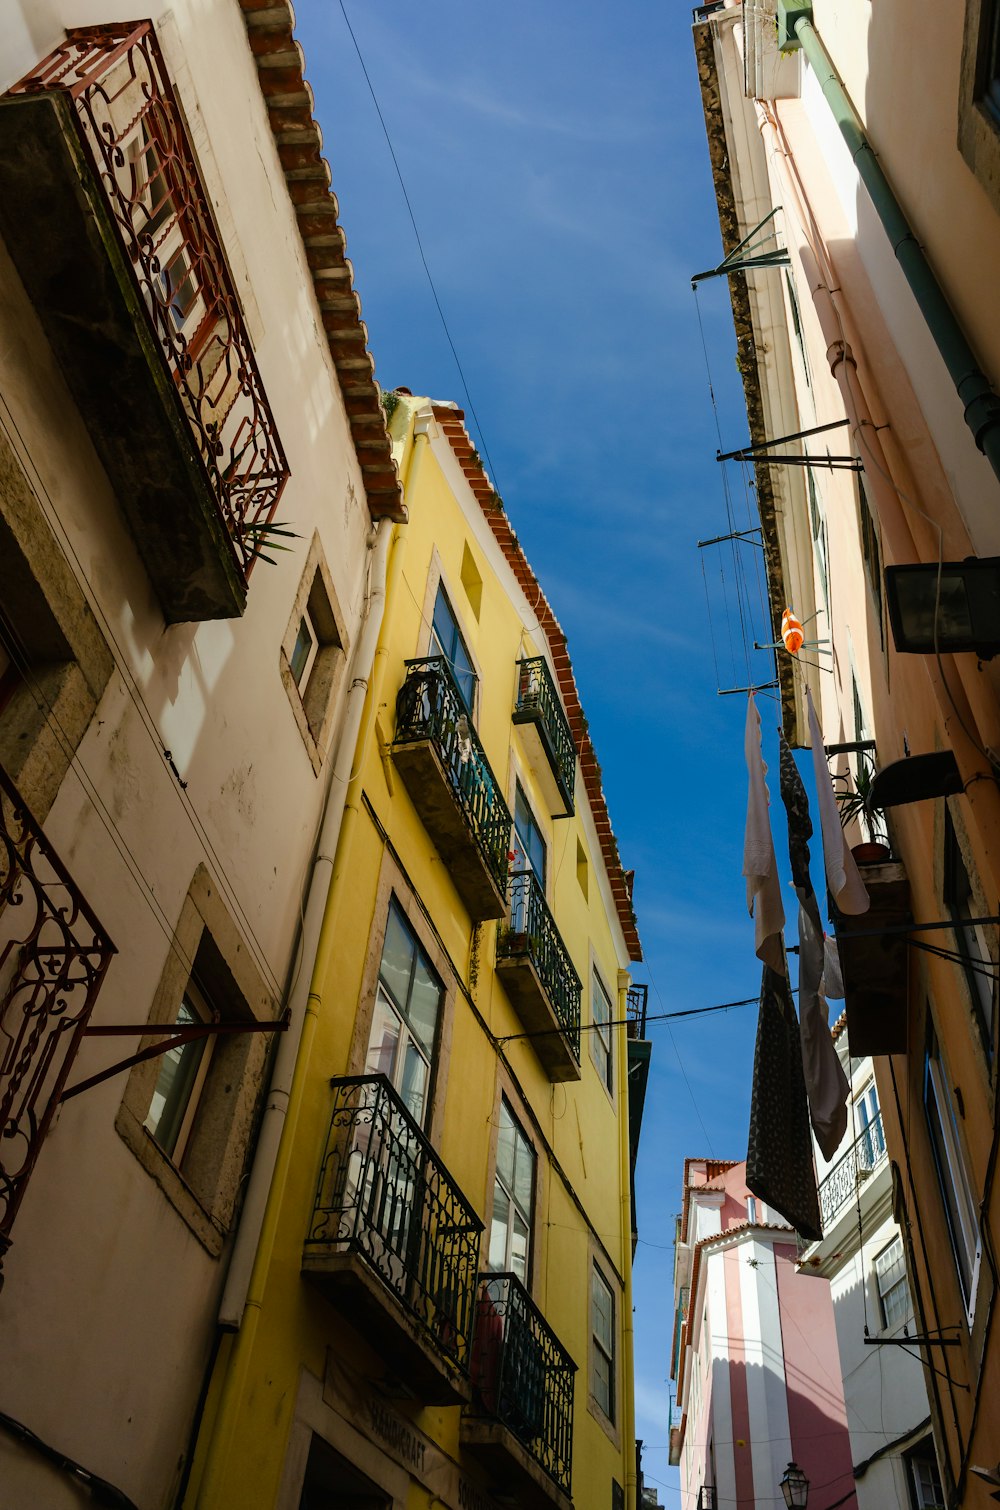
(855, 153)
(183, 379)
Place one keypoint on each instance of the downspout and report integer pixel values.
(629, 1464)
(980, 404)
(247, 1278)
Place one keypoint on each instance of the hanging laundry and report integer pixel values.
(826, 1084)
(792, 634)
(842, 876)
(759, 866)
(779, 1153)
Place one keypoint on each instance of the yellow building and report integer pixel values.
(439, 1312)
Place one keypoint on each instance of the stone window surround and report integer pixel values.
(506, 1090)
(978, 129)
(314, 709)
(596, 1261)
(205, 1194)
(69, 661)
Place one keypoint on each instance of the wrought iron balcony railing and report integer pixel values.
(53, 957)
(538, 702)
(841, 1184)
(530, 930)
(429, 706)
(522, 1375)
(132, 130)
(385, 1195)
(638, 997)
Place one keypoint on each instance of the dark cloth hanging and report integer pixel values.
(827, 1086)
(779, 1154)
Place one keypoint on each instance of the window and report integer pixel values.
(602, 1382)
(600, 1038)
(868, 1120)
(513, 1196)
(404, 1026)
(923, 1477)
(870, 551)
(181, 1080)
(970, 940)
(953, 1177)
(979, 95)
(312, 656)
(893, 1290)
(797, 328)
(304, 651)
(818, 526)
(446, 640)
(529, 841)
(581, 868)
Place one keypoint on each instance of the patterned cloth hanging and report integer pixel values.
(759, 865)
(779, 1152)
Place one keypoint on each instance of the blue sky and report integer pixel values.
(556, 160)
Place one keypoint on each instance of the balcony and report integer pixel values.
(547, 739)
(841, 1185)
(874, 959)
(538, 976)
(393, 1243)
(105, 215)
(520, 1423)
(53, 958)
(444, 768)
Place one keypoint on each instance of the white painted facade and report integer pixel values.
(107, 1316)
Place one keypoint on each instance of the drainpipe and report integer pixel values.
(628, 1328)
(981, 405)
(249, 1269)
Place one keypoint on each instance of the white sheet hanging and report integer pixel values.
(842, 876)
(759, 866)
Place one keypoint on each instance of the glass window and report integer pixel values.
(797, 327)
(513, 1196)
(303, 651)
(893, 1290)
(529, 842)
(404, 1025)
(180, 1080)
(953, 1177)
(977, 963)
(446, 640)
(868, 1119)
(602, 1383)
(870, 550)
(818, 527)
(600, 1037)
(925, 1482)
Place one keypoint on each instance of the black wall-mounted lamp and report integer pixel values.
(795, 1487)
(968, 606)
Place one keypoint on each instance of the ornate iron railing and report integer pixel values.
(53, 957)
(429, 706)
(522, 1375)
(706, 1497)
(537, 698)
(386, 1195)
(638, 997)
(840, 1185)
(133, 132)
(530, 929)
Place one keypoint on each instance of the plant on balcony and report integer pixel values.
(854, 803)
(259, 535)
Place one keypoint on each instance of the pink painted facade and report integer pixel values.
(755, 1360)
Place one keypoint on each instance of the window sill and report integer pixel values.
(170, 1180)
(606, 1424)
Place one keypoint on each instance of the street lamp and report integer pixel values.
(795, 1487)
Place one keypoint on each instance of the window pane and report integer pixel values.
(174, 1083)
(499, 1229)
(602, 1381)
(524, 1173)
(603, 1313)
(300, 652)
(952, 1177)
(529, 844)
(413, 1085)
(519, 1247)
(384, 1039)
(505, 1147)
(397, 958)
(425, 998)
(446, 640)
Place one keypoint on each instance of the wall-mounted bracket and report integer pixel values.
(177, 1037)
(763, 451)
(749, 254)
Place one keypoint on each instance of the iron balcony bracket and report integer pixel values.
(759, 452)
(749, 255)
(178, 1036)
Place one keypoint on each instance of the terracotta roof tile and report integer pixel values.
(299, 143)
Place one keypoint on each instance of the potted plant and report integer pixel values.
(855, 804)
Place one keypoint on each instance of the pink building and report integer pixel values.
(755, 1356)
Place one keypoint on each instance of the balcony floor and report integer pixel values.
(365, 1300)
(530, 1001)
(512, 1466)
(424, 776)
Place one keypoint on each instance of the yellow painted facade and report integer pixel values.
(309, 1403)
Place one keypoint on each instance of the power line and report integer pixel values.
(624, 1022)
(420, 247)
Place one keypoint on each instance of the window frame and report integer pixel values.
(200, 1051)
(602, 1050)
(890, 1325)
(958, 892)
(436, 648)
(315, 695)
(598, 1348)
(922, 1454)
(978, 119)
(408, 1035)
(954, 1181)
(514, 1205)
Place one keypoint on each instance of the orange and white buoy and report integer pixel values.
(791, 632)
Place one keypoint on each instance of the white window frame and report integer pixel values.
(884, 1262)
(197, 1004)
(602, 1037)
(513, 1204)
(598, 1347)
(302, 680)
(956, 1172)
